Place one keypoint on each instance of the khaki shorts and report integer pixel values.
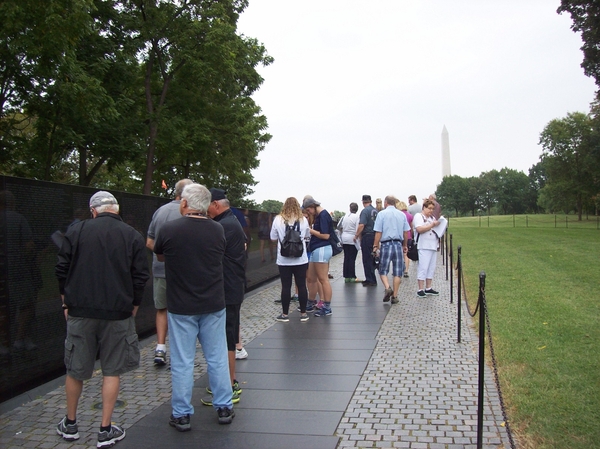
(160, 293)
(115, 341)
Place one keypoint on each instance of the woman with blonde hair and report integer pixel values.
(291, 216)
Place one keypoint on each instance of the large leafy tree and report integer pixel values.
(199, 75)
(453, 193)
(586, 20)
(134, 93)
(512, 191)
(567, 157)
(37, 37)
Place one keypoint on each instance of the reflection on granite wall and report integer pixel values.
(33, 217)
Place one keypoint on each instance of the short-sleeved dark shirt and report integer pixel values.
(234, 261)
(193, 250)
(367, 218)
(324, 224)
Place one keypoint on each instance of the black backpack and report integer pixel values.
(292, 245)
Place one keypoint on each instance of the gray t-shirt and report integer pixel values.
(168, 212)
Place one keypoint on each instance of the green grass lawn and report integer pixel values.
(543, 297)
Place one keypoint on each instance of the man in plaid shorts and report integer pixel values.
(391, 232)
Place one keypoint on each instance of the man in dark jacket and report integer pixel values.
(102, 271)
(234, 275)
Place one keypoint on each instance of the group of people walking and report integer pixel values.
(382, 234)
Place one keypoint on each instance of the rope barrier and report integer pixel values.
(483, 319)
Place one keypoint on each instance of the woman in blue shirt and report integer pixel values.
(320, 253)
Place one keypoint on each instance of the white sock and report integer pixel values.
(161, 347)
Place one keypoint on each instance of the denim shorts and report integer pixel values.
(115, 340)
(321, 255)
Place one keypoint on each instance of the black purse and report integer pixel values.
(413, 251)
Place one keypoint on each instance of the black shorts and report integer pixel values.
(232, 325)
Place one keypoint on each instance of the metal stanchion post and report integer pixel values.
(459, 291)
(482, 312)
(451, 271)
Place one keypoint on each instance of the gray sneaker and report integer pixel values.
(388, 294)
(395, 300)
(110, 438)
(182, 423)
(225, 415)
(160, 357)
(68, 431)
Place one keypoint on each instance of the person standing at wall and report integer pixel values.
(168, 212)
(102, 271)
(366, 235)
(192, 248)
(296, 267)
(234, 274)
(348, 226)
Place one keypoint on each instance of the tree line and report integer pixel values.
(125, 94)
(566, 179)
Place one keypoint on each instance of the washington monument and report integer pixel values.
(445, 153)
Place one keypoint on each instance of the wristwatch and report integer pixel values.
(64, 306)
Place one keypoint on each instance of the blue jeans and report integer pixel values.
(209, 329)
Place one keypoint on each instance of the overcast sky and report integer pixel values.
(359, 92)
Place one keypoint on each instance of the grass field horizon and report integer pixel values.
(544, 308)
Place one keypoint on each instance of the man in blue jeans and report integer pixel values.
(192, 248)
(365, 233)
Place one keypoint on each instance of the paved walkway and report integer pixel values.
(372, 375)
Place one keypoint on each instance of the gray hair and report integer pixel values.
(390, 200)
(181, 185)
(107, 208)
(224, 202)
(197, 196)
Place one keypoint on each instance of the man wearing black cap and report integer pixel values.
(366, 234)
(102, 271)
(234, 274)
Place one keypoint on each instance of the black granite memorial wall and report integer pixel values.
(33, 217)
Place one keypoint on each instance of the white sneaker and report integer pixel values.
(241, 354)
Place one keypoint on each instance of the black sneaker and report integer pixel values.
(431, 292)
(421, 294)
(225, 415)
(110, 438)
(68, 431)
(182, 423)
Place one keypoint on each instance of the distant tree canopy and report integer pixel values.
(506, 191)
(125, 94)
(273, 206)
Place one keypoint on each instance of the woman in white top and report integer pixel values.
(291, 266)
(427, 244)
(347, 226)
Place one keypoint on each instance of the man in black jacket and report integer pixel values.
(234, 275)
(102, 271)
